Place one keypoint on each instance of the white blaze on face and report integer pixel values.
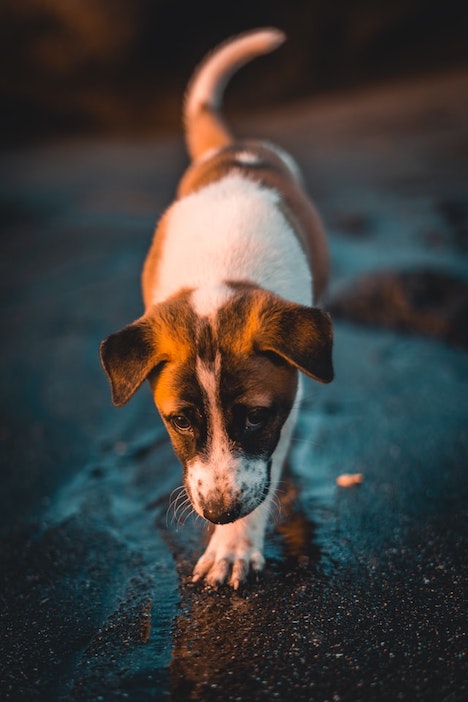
(209, 379)
(222, 478)
(207, 477)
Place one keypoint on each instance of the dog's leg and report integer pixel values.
(235, 549)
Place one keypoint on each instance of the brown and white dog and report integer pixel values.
(229, 284)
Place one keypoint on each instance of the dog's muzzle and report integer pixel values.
(220, 508)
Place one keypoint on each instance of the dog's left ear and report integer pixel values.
(128, 357)
(303, 336)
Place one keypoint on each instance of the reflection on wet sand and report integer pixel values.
(214, 632)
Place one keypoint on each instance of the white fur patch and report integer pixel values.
(208, 377)
(206, 301)
(247, 158)
(232, 230)
(235, 479)
(223, 477)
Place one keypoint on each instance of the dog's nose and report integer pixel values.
(218, 515)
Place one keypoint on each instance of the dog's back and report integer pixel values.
(241, 213)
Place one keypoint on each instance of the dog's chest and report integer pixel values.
(231, 230)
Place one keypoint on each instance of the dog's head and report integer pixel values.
(222, 365)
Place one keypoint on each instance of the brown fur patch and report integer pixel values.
(258, 321)
(246, 380)
(149, 278)
(261, 341)
(206, 130)
(160, 336)
(252, 325)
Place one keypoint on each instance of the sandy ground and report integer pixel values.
(362, 597)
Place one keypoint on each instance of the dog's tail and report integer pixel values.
(204, 125)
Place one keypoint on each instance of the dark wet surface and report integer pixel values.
(362, 596)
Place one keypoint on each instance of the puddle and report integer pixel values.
(158, 632)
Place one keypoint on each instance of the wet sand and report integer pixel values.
(362, 596)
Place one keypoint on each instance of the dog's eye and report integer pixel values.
(181, 423)
(256, 418)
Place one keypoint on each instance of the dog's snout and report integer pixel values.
(217, 514)
(227, 495)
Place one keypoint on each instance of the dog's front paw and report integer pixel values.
(230, 557)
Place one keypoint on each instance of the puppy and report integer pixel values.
(230, 285)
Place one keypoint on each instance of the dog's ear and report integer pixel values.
(128, 357)
(303, 336)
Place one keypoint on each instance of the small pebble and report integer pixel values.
(349, 479)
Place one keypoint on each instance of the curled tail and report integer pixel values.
(204, 125)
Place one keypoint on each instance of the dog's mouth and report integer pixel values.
(227, 506)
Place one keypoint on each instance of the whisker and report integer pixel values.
(180, 502)
(176, 493)
(282, 488)
(276, 508)
(186, 512)
(273, 507)
(180, 509)
(177, 500)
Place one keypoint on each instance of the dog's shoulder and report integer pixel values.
(230, 229)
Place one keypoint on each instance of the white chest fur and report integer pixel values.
(231, 230)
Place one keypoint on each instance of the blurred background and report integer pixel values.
(91, 560)
(120, 66)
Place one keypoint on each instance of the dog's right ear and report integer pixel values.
(128, 357)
